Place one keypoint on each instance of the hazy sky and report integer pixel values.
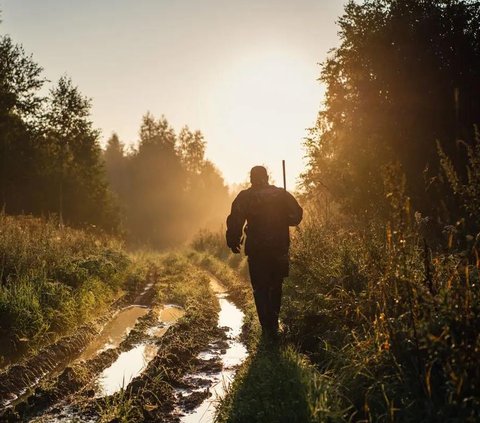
(243, 72)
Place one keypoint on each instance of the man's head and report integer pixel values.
(258, 176)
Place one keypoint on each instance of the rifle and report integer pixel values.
(284, 176)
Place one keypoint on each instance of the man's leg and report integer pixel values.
(278, 266)
(275, 299)
(259, 280)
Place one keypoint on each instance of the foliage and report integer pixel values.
(50, 160)
(467, 188)
(395, 324)
(403, 78)
(213, 256)
(20, 80)
(52, 280)
(384, 295)
(77, 167)
(166, 187)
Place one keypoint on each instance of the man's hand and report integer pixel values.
(236, 249)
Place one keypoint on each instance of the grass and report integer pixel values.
(395, 323)
(390, 325)
(53, 279)
(277, 385)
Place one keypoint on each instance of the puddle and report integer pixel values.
(128, 365)
(170, 313)
(230, 317)
(167, 316)
(114, 331)
(133, 362)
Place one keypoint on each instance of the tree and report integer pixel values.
(83, 196)
(157, 182)
(20, 80)
(404, 77)
(165, 186)
(191, 148)
(115, 162)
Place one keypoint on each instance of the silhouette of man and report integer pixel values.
(268, 212)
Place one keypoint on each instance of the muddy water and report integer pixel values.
(110, 337)
(133, 362)
(114, 331)
(128, 365)
(230, 317)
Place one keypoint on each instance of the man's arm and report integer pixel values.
(235, 223)
(294, 211)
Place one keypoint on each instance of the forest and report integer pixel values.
(380, 317)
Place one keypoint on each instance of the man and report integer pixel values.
(268, 212)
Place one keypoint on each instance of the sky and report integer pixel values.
(243, 72)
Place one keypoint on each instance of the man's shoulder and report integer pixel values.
(269, 190)
(242, 197)
(244, 193)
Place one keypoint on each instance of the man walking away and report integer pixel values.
(268, 212)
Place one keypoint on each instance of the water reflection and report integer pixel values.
(114, 331)
(128, 365)
(230, 317)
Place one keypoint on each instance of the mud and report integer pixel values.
(114, 331)
(214, 367)
(169, 372)
(53, 373)
(19, 379)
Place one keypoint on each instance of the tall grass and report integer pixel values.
(52, 279)
(395, 322)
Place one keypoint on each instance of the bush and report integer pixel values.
(53, 279)
(396, 323)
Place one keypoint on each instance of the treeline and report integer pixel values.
(51, 163)
(166, 187)
(50, 157)
(403, 95)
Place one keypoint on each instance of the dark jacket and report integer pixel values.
(268, 212)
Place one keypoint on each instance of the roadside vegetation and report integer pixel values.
(53, 279)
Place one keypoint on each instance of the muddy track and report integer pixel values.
(153, 393)
(184, 373)
(16, 380)
(77, 380)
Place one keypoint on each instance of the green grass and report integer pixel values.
(278, 385)
(392, 329)
(53, 279)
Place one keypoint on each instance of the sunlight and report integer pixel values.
(264, 103)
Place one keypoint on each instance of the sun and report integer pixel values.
(263, 102)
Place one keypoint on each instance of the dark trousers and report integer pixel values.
(266, 276)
